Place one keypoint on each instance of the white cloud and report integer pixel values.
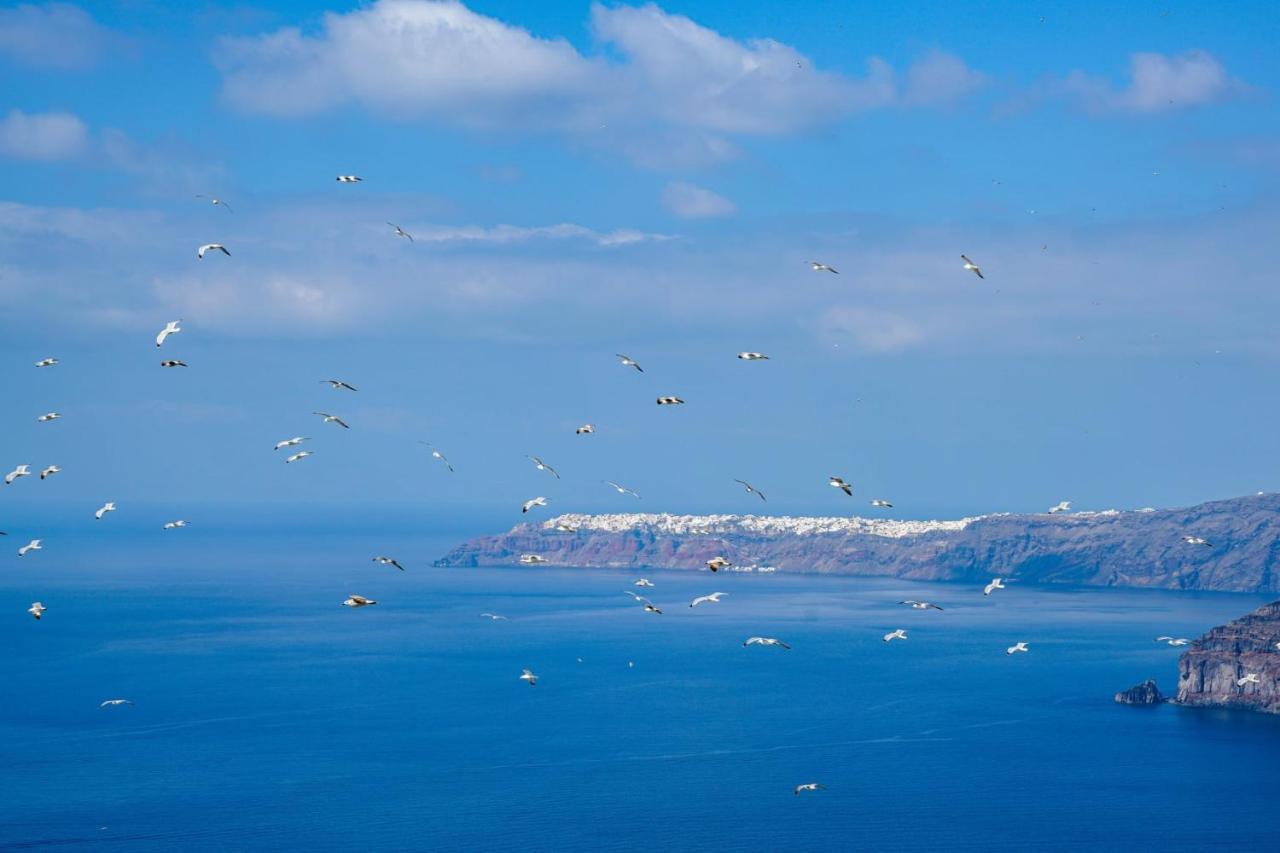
(870, 329)
(940, 78)
(693, 202)
(1157, 83)
(57, 36)
(42, 136)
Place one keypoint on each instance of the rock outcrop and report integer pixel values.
(1146, 693)
(1215, 670)
(1143, 548)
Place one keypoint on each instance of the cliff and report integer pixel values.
(1113, 548)
(1210, 671)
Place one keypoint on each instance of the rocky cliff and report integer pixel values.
(1115, 548)
(1215, 670)
(1146, 693)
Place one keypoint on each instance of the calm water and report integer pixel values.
(269, 717)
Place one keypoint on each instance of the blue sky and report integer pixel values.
(589, 179)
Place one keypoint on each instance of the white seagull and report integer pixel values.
(107, 507)
(996, 583)
(173, 363)
(561, 527)
(37, 610)
(338, 385)
(20, 471)
(389, 561)
(51, 416)
(211, 247)
(920, 605)
(628, 361)
(400, 232)
(585, 429)
(817, 267)
(715, 564)
(1249, 678)
(753, 356)
(50, 471)
(170, 328)
(898, 634)
(643, 582)
(349, 179)
(110, 703)
(1195, 540)
(808, 786)
(301, 454)
(1015, 648)
(532, 502)
(622, 490)
(750, 489)
(494, 617)
(764, 641)
(972, 267)
(878, 502)
(528, 676)
(532, 559)
(332, 419)
(838, 483)
(33, 545)
(438, 455)
(174, 525)
(216, 202)
(46, 362)
(670, 401)
(290, 442)
(358, 601)
(1173, 641)
(1060, 506)
(703, 599)
(542, 466)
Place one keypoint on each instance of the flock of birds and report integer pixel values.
(38, 610)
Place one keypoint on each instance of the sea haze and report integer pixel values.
(269, 716)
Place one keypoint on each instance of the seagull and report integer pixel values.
(628, 361)
(170, 328)
(703, 599)
(996, 583)
(400, 232)
(107, 507)
(753, 356)
(528, 676)
(1173, 641)
(46, 362)
(877, 502)
(561, 527)
(349, 179)
(339, 385)
(37, 610)
(670, 401)
(643, 582)
(51, 416)
(532, 559)
(1015, 648)
(173, 363)
(650, 607)
(750, 489)
(542, 466)
(174, 525)
(33, 545)
(920, 605)
(112, 702)
(358, 601)
(389, 561)
(1195, 540)
(290, 442)
(837, 483)
(50, 471)
(622, 490)
(20, 471)
(332, 419)
(585, 429)
(808, 786)
(209, 247)
(216, 202)
(531, 503)
(817, 267)
(1249, 678)
(301, 454)
(438, 455)
(970, 265)
(1060, 506)
(765, 641)
(715, 564)
(897, 634)
(494, 617)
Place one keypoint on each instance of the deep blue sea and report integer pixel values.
(270, 717)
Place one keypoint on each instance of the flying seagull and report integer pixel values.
(50, 416)
(46, 362)
(174, 525)
(585, 429)
(358, 601)
(400, 232)
(877, 502)
(622, 490)
(290, 442)
(897, 634)
(173, 363)
(301, 454)
(532, 559)
(1195, 540)
(170, 328)
(670, 401)
(389, 561)
(542, 466)
(753, 356)
(1060, 506)
(1173, 641)
(50, 471)
(438, 455)
(838, 483)
(216, 202)
(750, 489)
(628, 361)
(714, 598)
(817, 267)
(328, 418)
(532, 502)
(920, 605)
(494, 617)
(339, 385)
(349, 179)
(561, 527)
(528, 676)
(210, 247)
(33, 545)
(107, 507)
(20, 471)
(715, 564)
(113, 702)
(765, 641)
(37, 610)
(971, 266)
(1249, 678)
(808, 786)
(996, 583)
(643, 582)
(1015, 648)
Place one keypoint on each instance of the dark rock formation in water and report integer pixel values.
(1146, 693)
(1216, 670)
(1144, 548)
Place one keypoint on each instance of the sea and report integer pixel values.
(267, 716)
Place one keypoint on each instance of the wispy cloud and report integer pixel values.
(1157, 83)
(689, 201)
(42, 136)
(54, 36)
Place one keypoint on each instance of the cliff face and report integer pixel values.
(1209, 672)
(1143, 548)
